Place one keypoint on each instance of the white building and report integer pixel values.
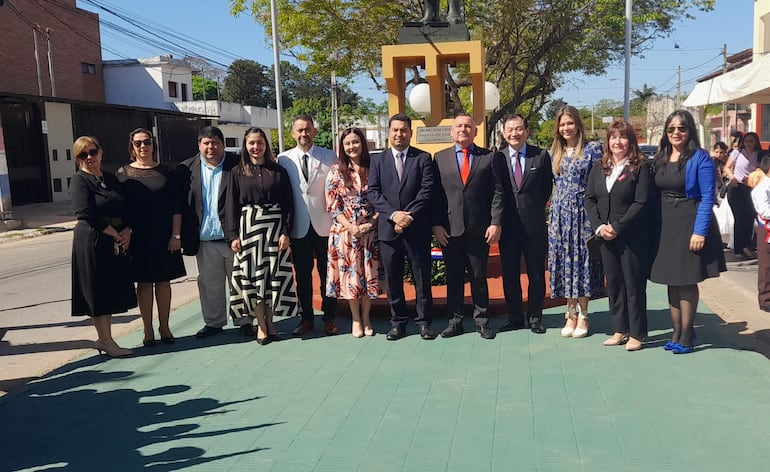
(233, 119)
(154, 82)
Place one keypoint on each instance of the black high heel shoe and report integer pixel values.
(148, 342)
(167, 339)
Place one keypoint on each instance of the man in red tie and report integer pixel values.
(468, 212)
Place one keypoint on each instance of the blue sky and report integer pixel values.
(699, 52)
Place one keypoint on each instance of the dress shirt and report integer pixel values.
(459, 156)
(617, 169)
(745, 163)
(211, 180)
(760, 196)
(520, 155)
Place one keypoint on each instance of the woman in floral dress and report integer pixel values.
(574, 275)
(354, 259)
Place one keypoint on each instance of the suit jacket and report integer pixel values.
(412, 194)
(188, 175)
(527, 204)
(309, 196)
(472, 207)
(624, 206)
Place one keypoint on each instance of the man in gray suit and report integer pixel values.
(468, 213)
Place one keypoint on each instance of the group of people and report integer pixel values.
(258, 224)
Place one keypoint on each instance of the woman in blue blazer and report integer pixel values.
(690, 247)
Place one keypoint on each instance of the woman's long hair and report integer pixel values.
(559, 147)
(245, 165)
(666, 148)
(346, 166)
(132, 150)
(750, 134)
(635, 157)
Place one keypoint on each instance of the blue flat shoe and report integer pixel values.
(669, 345)
(679, 349)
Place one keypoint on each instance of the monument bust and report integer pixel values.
(431, 13)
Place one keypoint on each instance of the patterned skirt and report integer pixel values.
(262, 273)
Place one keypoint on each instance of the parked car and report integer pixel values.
(648, 150)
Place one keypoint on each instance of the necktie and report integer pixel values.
(304, 166)
(465, 167)
(517, 171)
(400, 165)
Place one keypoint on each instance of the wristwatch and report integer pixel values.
(176, 236)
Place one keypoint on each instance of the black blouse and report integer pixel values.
(97, 200)
(267, 185)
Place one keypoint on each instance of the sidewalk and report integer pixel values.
(520, 402)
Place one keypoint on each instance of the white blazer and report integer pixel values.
(309, 196)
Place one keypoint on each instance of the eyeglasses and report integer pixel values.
(146, 142)
(91, 152)
(681, 129)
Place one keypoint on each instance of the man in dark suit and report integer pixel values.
(204, 178)
(527, 186)
(468, 213)
(400, 186)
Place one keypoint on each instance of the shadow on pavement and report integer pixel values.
(74, 419)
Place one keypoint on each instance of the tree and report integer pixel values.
(204, 89)
(320, 109)
(530, 44)
(297, 83)
(553, 108)
(643, 96)
(248, 83)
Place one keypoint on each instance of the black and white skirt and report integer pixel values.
(262, 273)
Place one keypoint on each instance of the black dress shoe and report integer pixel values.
(167, 339)
(396, 332)
(426, 332)
(536, 326)
(512, 325)
(485, 331)
(148, 342)
(207, 331)
(248, 330)
(303, 328)
(454, 328)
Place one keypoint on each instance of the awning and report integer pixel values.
(748, 84)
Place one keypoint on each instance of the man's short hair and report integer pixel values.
(400, 117)
(515, 116)
(210, 132)
(303, 118)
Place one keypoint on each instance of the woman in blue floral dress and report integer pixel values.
(574, 275)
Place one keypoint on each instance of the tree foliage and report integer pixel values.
(248, 83)
(204, 89)
(530, 44)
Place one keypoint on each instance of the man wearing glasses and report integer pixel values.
(205, 177)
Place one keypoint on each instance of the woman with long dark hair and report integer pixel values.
(616, 201)
(689, 248)
(258, 219)
(354, 261)
(740, 164)
(155, 205)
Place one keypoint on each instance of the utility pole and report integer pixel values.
(678, 85)
(724, 105)
(335, 120)
(277, 69)
(50, 61)
(37, 61)
(627, 87)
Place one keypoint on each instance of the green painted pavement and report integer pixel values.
(520, 402)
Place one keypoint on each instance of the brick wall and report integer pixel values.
(74, 40)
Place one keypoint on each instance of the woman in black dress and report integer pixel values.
(616, 202)
(259, 214)
(101, 282)
(690, 247)
(155, 213)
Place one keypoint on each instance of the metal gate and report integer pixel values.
(27, 162)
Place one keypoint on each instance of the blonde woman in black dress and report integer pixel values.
(101, 283)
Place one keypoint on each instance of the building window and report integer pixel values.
(88, 68)
(69, 154)
(57, 185)
(184, 92)
(55, 155)
(231, 142)
(172, 92)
